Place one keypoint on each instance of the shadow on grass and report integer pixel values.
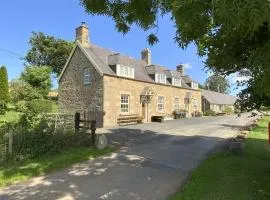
(27, 169)
(122, 175)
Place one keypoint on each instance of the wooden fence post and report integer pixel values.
(93, 131)
(77, 122)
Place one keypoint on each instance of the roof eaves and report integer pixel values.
(90, 58)
(67, 62)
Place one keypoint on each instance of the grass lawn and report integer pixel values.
(25, 170)
(233, 177)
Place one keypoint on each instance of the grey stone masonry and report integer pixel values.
(74, 95)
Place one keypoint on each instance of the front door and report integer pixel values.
(143, 110)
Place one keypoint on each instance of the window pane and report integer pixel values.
(160, 104)
(124, 107)
(86, 76)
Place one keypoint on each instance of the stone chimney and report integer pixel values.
(146, 56)
(82, 35)
(181, 69)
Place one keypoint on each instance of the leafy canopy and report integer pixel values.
(234, 35)
(217, 83)
(23, 91)
(39, 77)
(48, 51)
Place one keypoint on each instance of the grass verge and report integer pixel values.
(235, 177)
(22, 171)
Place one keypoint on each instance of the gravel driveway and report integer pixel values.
(152, 163)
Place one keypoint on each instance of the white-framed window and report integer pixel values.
(125, 71)
(160, 104)
(176, 81)
(160, 78)
(176, 103)
(195, 104)
(124, 104)
(86, 76)
(194, 85)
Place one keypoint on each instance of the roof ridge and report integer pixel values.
(218, 92)
(116, 52)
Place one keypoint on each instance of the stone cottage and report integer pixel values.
(98, 79)
(216, 101)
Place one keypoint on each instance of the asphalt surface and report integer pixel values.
(153, 162)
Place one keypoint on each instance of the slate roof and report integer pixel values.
(218, 98)
(188, 79)
(103, 58)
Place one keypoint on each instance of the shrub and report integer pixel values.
(40, 106)
(34, 136)
(210, 113)
(21, 106)
(20, 90)
(2, 109)
(228, 110)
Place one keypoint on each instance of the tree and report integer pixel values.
(23, 91)
(202, 86)
(48, 51)
(233, 35)
(217, 83)
(4, 89)
(39, 77)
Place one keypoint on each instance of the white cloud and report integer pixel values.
(187, 65)
(236, 77)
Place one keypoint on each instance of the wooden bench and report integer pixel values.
(128, 119)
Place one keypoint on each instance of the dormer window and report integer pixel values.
(160, 78)
(194, 85)
(125, 71)
(176, 82)
(86, 76)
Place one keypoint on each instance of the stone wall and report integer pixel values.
(73, 94)
(115, 86)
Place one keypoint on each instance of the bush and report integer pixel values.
(40, 106)
(196, 114)
(210, 113)
(21, 106)
(34, 136)
(228, 110)
(2, 109)
(22, 91)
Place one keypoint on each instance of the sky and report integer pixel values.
(59, 18)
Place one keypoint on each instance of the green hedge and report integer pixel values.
(34, 136)
(210, 113)
(40, 106)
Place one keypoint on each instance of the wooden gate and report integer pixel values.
(94, 115)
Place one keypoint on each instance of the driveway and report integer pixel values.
(152, 163)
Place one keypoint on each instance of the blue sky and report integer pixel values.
(60, 18)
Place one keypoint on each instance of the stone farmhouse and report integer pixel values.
(121, 87)
(216, 101)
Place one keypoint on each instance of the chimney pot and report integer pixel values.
(181, 69)
(82, 35)
(146, 56)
